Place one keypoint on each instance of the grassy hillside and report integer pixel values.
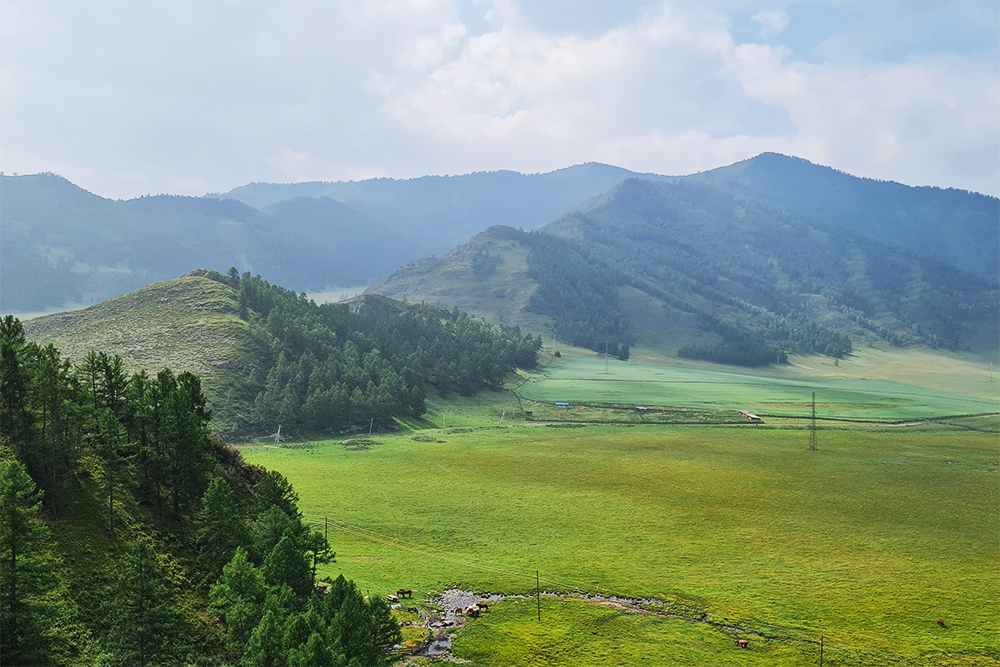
(188, 324)
(486, 276)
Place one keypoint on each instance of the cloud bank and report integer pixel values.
(127, 99)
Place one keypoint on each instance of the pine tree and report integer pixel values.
(237, 598)
(143, 623)
(265, 648)
(221, 528)
(286, 564)
(27, 566)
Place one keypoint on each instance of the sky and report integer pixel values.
(184, 97)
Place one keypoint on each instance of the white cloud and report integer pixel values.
(772, 21)
(138, 97)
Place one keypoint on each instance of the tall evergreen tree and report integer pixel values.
(221, 528)
(27, 569)
(143, 623)
(237, 598)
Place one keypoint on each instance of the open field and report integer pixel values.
(868, 540)
(583, 380)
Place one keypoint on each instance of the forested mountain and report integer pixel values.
(270, 356)
(130, 536)
(62, 244)
(450, 209)
(954, 226)
(758, 280)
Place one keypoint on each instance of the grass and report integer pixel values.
(188, 324)
(582, 380)
(868, 540)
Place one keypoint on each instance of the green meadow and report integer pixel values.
(583, 381)
(867, 541)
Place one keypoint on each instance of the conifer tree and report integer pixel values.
(237, 598)
(221, 528)
(143, 623)
(286, 564)
(27, 566)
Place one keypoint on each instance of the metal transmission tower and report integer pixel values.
(812, 426)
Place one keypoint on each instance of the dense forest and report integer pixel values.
(131, 536)
(761, 278)
(579, 293)
(344, 364)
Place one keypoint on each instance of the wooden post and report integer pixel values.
(326, 528)
(538, 597)
(371, 425)
(821, 651)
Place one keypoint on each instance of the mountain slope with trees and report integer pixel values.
(270, 356)
(759, 281)
(131, 536)
(956, 227)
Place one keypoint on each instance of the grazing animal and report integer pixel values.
(404, 593)
(483, 606)
(458, 611)
(743, 643)
(473, 612)
(392, 598)
(941, 623)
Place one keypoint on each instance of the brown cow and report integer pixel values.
(743, 643)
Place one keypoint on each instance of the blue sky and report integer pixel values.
(187, 97)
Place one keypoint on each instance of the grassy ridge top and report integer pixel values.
(188, 324)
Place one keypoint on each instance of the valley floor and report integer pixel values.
(867, 541)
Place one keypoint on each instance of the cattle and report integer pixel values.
(392, 598)
(473, 612)
(404, 593)
(743, 643)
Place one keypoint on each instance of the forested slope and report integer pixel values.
(130, 536)
(270, 356)
(953, 226)
(759, 281)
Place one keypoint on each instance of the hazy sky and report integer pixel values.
(129, 98)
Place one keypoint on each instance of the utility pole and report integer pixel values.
(370, 425)
(812, 426)
(326, 528)
(821, 651)
(502, 415)
(538, 597)
(277, 436)
(605, 357)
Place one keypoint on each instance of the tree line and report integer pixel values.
(335, 365)
(129, 535)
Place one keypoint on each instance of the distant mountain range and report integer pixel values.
(706, 270)
(61, 244)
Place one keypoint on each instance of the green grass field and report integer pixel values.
(868, 540)
(581, 380)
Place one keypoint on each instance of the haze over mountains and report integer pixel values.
(773, 253)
